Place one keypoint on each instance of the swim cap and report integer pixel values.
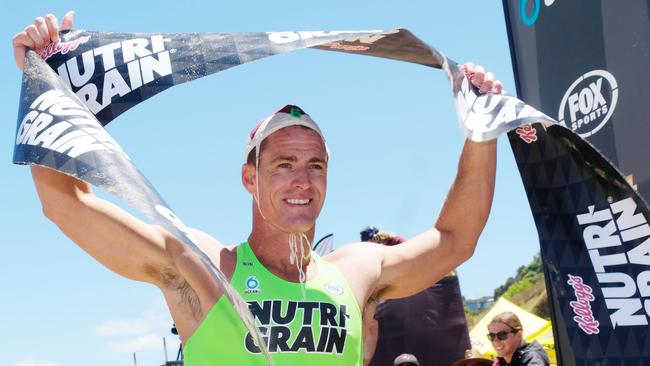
(289, 115)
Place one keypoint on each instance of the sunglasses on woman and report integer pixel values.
(502, 335)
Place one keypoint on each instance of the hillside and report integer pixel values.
(526, 289)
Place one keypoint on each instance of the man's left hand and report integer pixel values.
(483, 81)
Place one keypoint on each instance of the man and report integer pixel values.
(308, 309)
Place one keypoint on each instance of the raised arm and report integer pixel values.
(38, 35)
(421, 261)
(118, 240)
(113, 237)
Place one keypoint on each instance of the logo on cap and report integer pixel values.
(295, 112)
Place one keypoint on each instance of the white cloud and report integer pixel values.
(140, 343)
(30, 362)
(139, 334)
(151, 321)
(124, 327)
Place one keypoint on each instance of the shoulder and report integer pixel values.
(183, 255)
(352, 248)
(360, 252)
(534, 354)
(224, 256)
(204, 238)
(360, 264)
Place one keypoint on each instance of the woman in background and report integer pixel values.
(507, 337)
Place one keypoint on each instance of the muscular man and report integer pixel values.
(308, 308)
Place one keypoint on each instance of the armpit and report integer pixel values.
(170, 281)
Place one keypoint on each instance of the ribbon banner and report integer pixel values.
(91, 78)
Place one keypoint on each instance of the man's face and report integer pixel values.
(292, 178)
(505, 348)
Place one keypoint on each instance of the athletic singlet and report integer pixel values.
(322, 330)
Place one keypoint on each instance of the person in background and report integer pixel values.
(507, 337)
(370, 324)
(406, 359)
(430, 324)
(473, 358)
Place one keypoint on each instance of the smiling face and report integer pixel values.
(505, 348)
(292, 179)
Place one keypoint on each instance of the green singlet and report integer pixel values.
(322, 330)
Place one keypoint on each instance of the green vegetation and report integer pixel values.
(527, 289)
(519, 287)
(526, 277)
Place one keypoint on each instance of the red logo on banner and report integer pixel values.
(63, 47)
(527, 133)
(582, 305)
(346, 47)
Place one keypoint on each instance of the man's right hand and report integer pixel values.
(38, 35)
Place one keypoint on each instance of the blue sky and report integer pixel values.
(390, 126)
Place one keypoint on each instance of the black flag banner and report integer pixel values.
(585, 61)
(595, 243)
(93, 77)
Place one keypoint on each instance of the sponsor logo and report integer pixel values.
(527, 133)
(529, 10)
(247, 264)
(589, 103)
(346, 47)
(252, 285)
(59, 123)
(582, 305)
(617, 239)
(63, 47)
(319, 327)
(334, 288)
(288, 37)
(146, 60)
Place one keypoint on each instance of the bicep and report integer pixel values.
(115, 238)
(118, 240)
(418, 263)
